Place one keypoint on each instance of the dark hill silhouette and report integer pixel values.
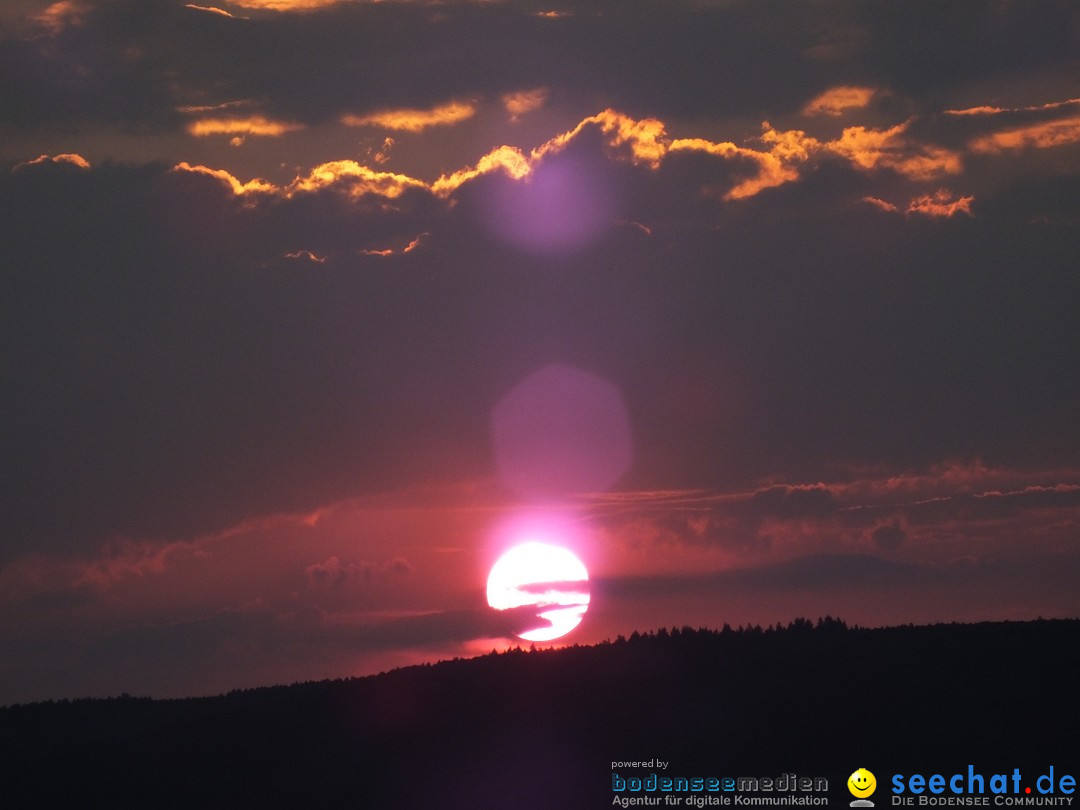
(540, 729)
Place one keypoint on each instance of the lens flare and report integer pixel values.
(562, 207)
(561, 431)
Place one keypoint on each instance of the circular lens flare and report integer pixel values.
(561, 430)
(562, 206)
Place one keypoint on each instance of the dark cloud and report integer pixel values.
(136, 61)
(282, 631)
(996, 505)
(889, 536)
(875, 516)
(790, 503)
(333, 573)
(172, 371)
(229, 648)
(856, 572)
(811, 572)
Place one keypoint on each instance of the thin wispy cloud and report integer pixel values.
(414, 120)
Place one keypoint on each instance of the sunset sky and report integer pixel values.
(311, 309)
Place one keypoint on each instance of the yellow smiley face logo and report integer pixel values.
(861, 783)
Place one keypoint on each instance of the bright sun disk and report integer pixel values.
(549, 577)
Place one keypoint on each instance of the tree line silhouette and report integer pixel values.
(529, 728)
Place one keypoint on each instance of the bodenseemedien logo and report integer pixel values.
(971, 788)
(862, 785)
(787, 789)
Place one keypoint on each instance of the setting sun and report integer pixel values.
(549, 577)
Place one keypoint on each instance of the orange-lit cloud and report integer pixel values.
(772, 174)
(255, 186)
(307, 255)
(524, 101)
(940, 204)
(284, 5)
(66, 157)
(203, 108)
(507, 159)
(773, 158)
(414, 120)
(880, 204)
(987, 110)
(210, 9)
(643, 137)
(837, 100)
(981, 110)
(1035, 136)
(776, 166)
(382, 154)
(60, 15)
(646, 142)
(778, 157)
(416, 243)
(891, 148)
(386, 252)
(637, 226)
(641, 141)
(355, 179)
(552, 15)
(792, 145)
(254, 125)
